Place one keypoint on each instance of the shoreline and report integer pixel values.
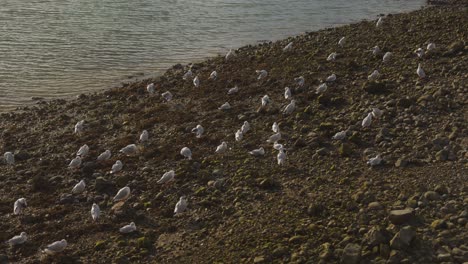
(325, 205)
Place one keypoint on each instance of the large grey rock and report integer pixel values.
(351, 254)
(398, 217)
(403, 238)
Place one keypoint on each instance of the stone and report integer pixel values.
(431, 196)
(439, 224)
(351, 254)
(442, 155)
(401, 162)
(375, 206)
(322, 151)
(441, 189)
(375, 236)
(88, 168)
(259, 259)
(398, 217)
(403, 238)
(102, 185)
(444, 257)
(326, 252)
(345, 150)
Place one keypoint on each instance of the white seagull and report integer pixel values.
(261, 74)
(281, 157)
(56, 247)
(340, 135)
(167, 177)
(321, 88)
(275, 127)
(375, 161)
(387, 57)
(367, 121)
(18, 240)
(198, 130)
(19, 206)
(186, 152)
(342, 41)
(287, 93)
(375, 75)
(9, 158)
(150, 88)
(221, 148)
(288, 47)
(79, 127)
(376, 113)
(83, 151)
(278, 146)
(213, 75)
(129, 149)
(233, 90)
(225, 106)
(379, 22)
(128, 228)
(274, 138)
(420, 72)
(181, 205)
(245, 127)
(79, 187)
(75, 163)
(376, 51)
(196, 81)
(257, 152)
(300, 81)
(104, 156)
(122, 194)
(239, 135)
(118, 165)
(431, 46)
(95, 211)
(229, 55)
(144, 136)
(331, 78)
(419, 52)
(167, 96)
(187, 75)
(265, 100)
(332, 56)
(290, 107)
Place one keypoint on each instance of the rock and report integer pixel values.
(454, 48)
(322, 151)
(300, 143)
(375, 206)
(375, 87)
(375, 237)
(326, 251)
(102, 185)
(22, 155)
(401, 162)
(259, 259)
(403, 238)
(122, 180)
(279, 252)
(395, 257)
(297, 239)
(439, 224)
(444, 257)
(345, 150)
(67, 199)
(398, 217)
(88, 168)
(442, 155)
(405, 102)
(144, 242)
(351, 254)
(100, 244)
(431, 196)
(441, 189)
(315, 209)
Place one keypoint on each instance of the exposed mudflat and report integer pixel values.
(324, 205)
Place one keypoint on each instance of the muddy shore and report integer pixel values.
(324, 205)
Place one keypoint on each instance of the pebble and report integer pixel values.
(432, 196)
(398, 217)
(351, 254)
(403, 238)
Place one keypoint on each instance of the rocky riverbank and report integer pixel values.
(324, 205)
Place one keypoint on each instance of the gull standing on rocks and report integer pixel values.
(331, 78)
(79, 187)
(257, 152)
(129, 149)
(379, 22)
(387, 57)
(196, 81)
(261, 74)
(375, 75)
(221, 148)
(150, 88)
(9, 158)
(420, 72)
(56, 247)
(122, 194)
(213, 75)
(375, 161)
(181, 205)
(278, 146)
(75, 163)
(167, 96)
(376, 51)
(342, 41)
(340, 135)
(431, 46)
(376, 113)
(144, 136)
(288, 47)
(281, 157)
(128, 228)
(225, 106)
(332, 56)
(274, 138)
(83, 151)
(118, 165)
(167, 177)
(265, 100)
(79, 127)
(366, 122)
(287, 93)
(419, 52)
(198, 130)
(18, 240)
(275, 127)
(300, 81)
(187, 75)
(321, 89)
(229, 55)
(290, 108)
(95, 211)
(186, 152)
(245, 127)
(239, 135)
(19, 206)
(104, 156)
(233, 90)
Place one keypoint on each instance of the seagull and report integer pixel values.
(376, 113)
(288, 47)
(275, 127)
(213, 75)
(79, 127)
(95, 212)
(75, 163)
(300, 81)
(150, 88)
(419, 52)
(332, 56)
(274, 138)
(187, 75)
(290, 107)
(225, 106)
(198, 130)
(376, 51)
(104, 156)
(257, 152)
(331, 78)
(229, 55)
(265, 100)
(83, 151)
(167, 96)
(431, 46)
(245, 127)
(278, 146)
(374, 76)
(287, 93)
(221, 148)
(9, 158)
(261, 74)
(128, 228)
(366, 122)
(233, 90)
(167, 177)
(56, 247)
(387, 56)
(340, 135)
(239, 135)
(379, 22)
(342, 41)
(375, 161)
(129, 149)
(79, 187)
(321, 89)
(118, 165)
(181, 205)
(144, 136)
(196, 81)
(420, 72)
(122, 194)
(19, 206)
(186, 152)
(281, 157)
(18, 240)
